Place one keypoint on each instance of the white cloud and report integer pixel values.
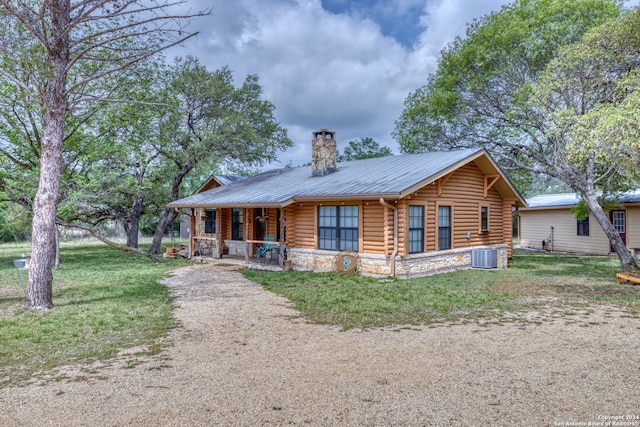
(323, 69)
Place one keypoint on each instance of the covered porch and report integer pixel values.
(253, 235)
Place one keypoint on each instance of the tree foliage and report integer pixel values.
(476, 96)
(188, 120)
(55, 54)
(364, 148)
(550, 88)
(215, 124)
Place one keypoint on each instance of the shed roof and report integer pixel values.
(392, 177)
(563, 200)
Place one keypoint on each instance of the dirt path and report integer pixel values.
(244, 357)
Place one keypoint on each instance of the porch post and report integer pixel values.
(283, 220)
(245, 235)
(192, 233)
(218, 235)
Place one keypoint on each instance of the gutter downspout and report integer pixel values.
(395, 235)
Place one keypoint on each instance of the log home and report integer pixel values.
(406, 215)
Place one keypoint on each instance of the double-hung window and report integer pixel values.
(416, 229)
(444, 227)
(484, 219)
(338, 228)
(583, 227)
(210, 222)
(237, 223)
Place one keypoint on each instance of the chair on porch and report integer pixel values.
(266, 252)
(203, 249)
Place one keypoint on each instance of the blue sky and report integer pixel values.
(345, 65)
(400, 21)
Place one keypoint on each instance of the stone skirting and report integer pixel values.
(415, 265)
(236, 247)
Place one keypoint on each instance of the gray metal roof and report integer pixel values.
(228, 179)
(553, 200)
(390, 177)
(571, 199)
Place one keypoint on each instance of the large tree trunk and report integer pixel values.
(167, 216)
(133, 226)
(627, 262)
(40, 295)
(133, 230)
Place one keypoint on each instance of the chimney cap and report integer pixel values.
(323, 133)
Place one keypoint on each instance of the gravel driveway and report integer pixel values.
(244, 357)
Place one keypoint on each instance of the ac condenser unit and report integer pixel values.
(484, 258)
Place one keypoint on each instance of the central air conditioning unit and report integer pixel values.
(484, 258)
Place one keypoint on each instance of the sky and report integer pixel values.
(344, 65)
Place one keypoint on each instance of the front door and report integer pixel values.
(261, 224)
(619, 223)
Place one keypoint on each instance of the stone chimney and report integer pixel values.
(323, 153)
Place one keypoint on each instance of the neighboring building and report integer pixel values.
(548, 223)
(406, 215)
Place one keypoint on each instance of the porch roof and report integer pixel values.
(391, 177)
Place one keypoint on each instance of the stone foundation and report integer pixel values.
(415, 265)
(236, 247)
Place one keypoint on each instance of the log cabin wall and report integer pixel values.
(272, 224)
(289, 215)
(403, 227)
(302, 225)
(463, 190)
(374, 232)
(225, 223)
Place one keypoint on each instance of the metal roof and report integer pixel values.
(388, 177)
(553, 200)
(228, 179)
(571, 199)
(220, 180)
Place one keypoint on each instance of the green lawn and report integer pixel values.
(553, 284)
(106, 300)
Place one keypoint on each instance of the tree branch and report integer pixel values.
(103, 239)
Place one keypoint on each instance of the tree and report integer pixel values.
(586, 104)
(214, 124)
(501, 88)
(364, 148)
(58, 52)
(120, 177)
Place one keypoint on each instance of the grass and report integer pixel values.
(553, 284)
(106, 300)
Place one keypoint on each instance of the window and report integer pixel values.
(444, 227)
(237, 223)
(583, 227)
(416, 229)
(210, 222)
(484, 218)
(338, 228)
(617, 219)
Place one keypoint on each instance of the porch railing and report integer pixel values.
(278, 246)
(205, 246)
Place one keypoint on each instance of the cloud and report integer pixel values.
(344, 71)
